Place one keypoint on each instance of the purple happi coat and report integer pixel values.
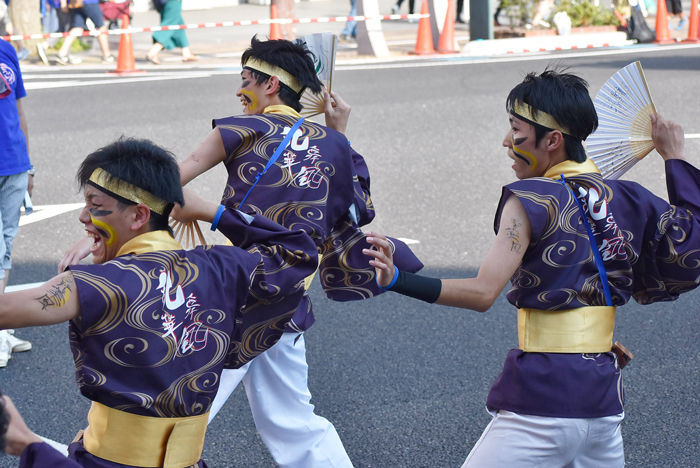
(318, 184)
(651, 252)
(157, 327)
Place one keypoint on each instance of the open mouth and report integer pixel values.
(97, 241)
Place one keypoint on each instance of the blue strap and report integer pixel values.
(217, 218)
(594, 246)
(393, 280)
(274, 157)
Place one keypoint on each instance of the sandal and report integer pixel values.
(153, 60)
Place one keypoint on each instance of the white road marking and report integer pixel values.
(199, 71)
(42, 212)
(408, 241)
(692, 135)
(120, 80)
(22, 287)
(58, 446)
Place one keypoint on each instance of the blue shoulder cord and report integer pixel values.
(274, 157)
(594, 246)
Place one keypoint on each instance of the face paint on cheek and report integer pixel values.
(96, 212)
(250, 98)
(105, 231)
(526, 156)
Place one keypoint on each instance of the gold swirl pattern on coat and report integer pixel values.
(171, 402)
(544, 298)
(344, 278)
(91, 377)
(361, 194)
(144, 400)
(525, 279)
(246, 136)
(550, 203)
(115, 301)
(555, 255)
(256, 338)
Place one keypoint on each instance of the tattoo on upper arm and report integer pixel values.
(195, 158)
(513, 233)
(58, 295)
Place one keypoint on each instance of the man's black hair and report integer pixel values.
(565, 97)
(292, 57)
(4, 423)
(141, 163)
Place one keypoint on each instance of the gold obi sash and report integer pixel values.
(135, 440)
(582, 330)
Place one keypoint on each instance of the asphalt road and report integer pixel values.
(404, 383)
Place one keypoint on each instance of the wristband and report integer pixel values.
(419, 287)
(393, 280)
(217, 218)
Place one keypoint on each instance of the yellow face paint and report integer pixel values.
(107, 228)
(253, 103)
(527, 156)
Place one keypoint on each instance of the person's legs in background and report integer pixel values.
(12, 189)
(350, 30)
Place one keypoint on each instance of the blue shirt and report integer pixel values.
(14, 157)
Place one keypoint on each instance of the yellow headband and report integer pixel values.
(285, 77)
(105, 180)
(543, 118)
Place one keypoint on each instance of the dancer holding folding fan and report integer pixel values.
(575, 246)
(318, 184)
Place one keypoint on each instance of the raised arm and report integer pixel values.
(208, 154)
(501, 262)
(55, 301)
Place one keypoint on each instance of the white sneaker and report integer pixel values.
(17, 345)
(395, 10)
(4, 349)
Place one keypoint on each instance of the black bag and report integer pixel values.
(638, 29)
(159, 5)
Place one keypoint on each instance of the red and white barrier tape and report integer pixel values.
(332, 19)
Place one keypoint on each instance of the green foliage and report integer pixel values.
(584, 13)
(519, 11)
(78, 46)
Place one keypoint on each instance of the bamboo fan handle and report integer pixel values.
(189, 235)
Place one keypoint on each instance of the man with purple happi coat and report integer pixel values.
(575, 246)
(152, 326)
(320, 185)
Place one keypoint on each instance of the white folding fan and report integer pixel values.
(323, 46)
(187, 234)
(623, 136)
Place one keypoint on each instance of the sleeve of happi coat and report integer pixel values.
(363, 202)
(278, 261)
(345, 272)
(672, 254)
(42, 455)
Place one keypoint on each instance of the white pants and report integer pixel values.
(276, 383)
(517, 441)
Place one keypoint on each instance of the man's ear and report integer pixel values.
(141, 217)
(273, 86)
(555, 140)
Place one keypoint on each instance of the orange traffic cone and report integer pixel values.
(446, 45)
(275, 28)
(126, 65)
(662, 34)
(693, 27)
(424, 42)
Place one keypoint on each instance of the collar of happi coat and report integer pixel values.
(281, 109)
(571, 169)
(149, 242)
